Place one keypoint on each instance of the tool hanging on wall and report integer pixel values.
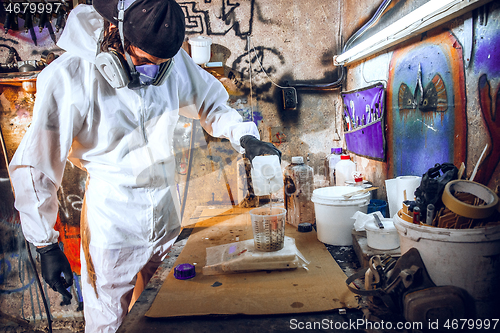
(39, 14)
(42, 21)
(61, 18)
(10, 22)
(28, 21)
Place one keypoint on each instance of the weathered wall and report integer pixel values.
(294, 41)
(456, 131)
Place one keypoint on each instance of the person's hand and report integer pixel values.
(54, 262)
(255, 147)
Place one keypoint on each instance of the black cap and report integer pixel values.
(305, 227)
(155, 26)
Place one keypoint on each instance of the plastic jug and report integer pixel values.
(298, 189)
(344, 170)
(330, 162)
(266, 175)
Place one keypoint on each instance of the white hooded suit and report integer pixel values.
(123, 139)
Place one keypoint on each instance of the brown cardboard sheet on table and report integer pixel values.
(319, 288)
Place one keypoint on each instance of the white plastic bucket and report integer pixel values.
(465, 258)
(333, 213)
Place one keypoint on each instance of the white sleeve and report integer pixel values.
(37, 167)
(36, 201)
(202, 96)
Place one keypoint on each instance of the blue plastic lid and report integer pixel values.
(184, 271)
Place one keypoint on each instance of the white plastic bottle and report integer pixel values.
(344, 170)
(330, 162)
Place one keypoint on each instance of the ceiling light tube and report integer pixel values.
(426, 17)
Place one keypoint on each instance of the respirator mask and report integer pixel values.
(121, 72)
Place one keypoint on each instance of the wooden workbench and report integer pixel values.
(136, 321)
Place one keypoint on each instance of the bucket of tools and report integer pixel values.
(466, 258)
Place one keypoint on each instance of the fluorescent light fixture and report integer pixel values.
(426, 17)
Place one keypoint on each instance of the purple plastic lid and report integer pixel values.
(337, 151)
(184, 271)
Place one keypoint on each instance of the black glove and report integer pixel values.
(255, 147)
(54, 262)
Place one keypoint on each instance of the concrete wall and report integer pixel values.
(292, 44)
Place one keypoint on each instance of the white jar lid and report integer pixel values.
(297, 160)
(388, 226)
(200, 41)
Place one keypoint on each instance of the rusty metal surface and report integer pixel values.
(17, 78)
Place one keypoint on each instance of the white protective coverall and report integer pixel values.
(123, 139)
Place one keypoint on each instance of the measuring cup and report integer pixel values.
(268, 224)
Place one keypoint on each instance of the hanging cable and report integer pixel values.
(381, 9)
(39, 284)
(250, 75)
(337, 84)
(250, 44)
(323, 87)
(327, 86)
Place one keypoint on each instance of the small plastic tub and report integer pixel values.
(382, 239)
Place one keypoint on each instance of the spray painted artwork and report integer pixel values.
(426, 111)
(486, 65)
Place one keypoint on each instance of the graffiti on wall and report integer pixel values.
(426, 110)
(487, 66)
(223, 17)
(259, 63)
(210, 19)
(490, 107)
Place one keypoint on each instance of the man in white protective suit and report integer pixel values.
(110, 104)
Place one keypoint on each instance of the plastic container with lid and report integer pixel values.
(334, 211)
(344, 170)
(298, 189)
(330, 162)
(382, 239)
(200, 49)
